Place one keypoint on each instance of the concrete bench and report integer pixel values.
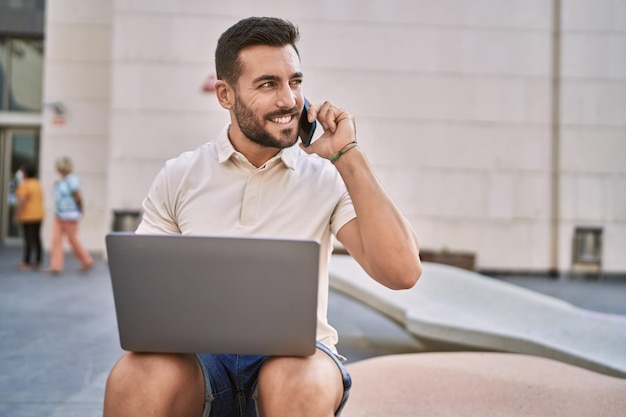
(463, 310)
(480, 384)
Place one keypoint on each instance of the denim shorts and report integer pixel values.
(231, 380)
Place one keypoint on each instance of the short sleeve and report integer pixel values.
(73, 183)
(343, 213)
(158, 216)
(21, 191)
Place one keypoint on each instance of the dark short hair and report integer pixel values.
(29, 170)
(253, 31)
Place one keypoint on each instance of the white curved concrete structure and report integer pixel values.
(479, 384)
(468, 310)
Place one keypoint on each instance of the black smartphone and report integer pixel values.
(307, 129)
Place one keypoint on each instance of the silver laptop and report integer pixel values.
(199, 294)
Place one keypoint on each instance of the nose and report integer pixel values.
(287, 97)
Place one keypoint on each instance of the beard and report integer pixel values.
(253, 128)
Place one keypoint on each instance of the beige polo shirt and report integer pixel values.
(214, 190)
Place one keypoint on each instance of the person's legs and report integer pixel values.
(28, 242)
(156, 385)
(71, 228)
(37, 243)
(225, 385)
(32, 243)
(316, 385)
(56, 246)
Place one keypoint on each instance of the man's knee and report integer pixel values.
(144, 382)
(305, 383)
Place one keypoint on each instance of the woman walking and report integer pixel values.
(29, 212)
(68, 205)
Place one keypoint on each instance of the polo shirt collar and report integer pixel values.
(225, 150)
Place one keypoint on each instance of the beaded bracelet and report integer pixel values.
(343, 151)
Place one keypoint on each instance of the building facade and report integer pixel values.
(498, 127)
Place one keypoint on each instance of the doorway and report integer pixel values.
(18, 146)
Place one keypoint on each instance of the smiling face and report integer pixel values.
(267, 100)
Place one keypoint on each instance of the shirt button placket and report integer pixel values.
(251, 199)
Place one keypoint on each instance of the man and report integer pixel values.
(253, 180)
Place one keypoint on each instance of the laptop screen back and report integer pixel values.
(198, 294)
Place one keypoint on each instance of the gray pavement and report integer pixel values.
(58, 334)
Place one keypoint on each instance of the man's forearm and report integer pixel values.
(390, 250)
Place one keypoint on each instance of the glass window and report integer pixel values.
(21, 74)
(25, 86)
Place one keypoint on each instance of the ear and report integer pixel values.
(225, 94)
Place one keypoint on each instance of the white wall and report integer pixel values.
(77, 73)
(452, 100)
(593, 156)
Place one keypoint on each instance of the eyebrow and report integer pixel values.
(275, 78)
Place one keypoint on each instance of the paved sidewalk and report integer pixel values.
(58, 334)
(57, 340)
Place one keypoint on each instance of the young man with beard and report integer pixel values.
(254, 180)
